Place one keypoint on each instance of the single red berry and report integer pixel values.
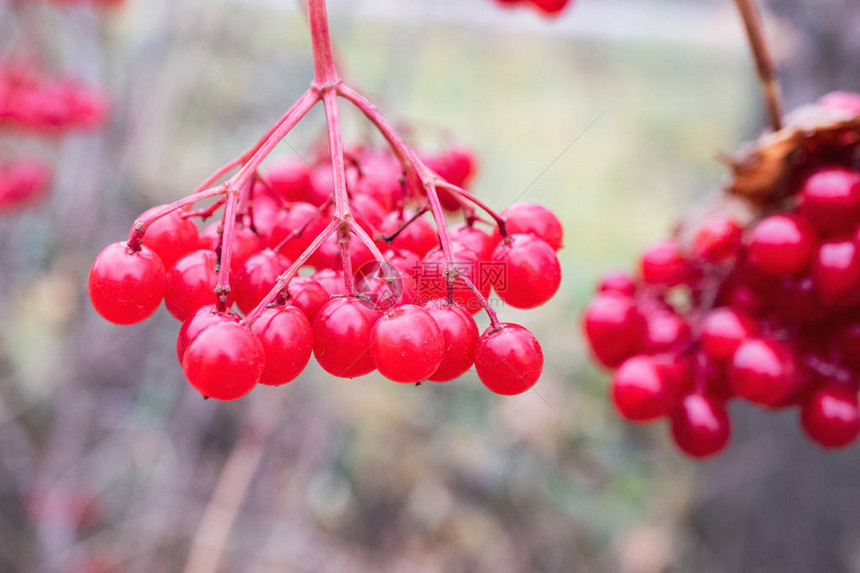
(830, 199)
(368, 211)
(225, 361)
(639, 390)
(126, 287)
(460, 334)
(292, 180)
(342, 331)
(531, 271)
(257, 277)
(701, 426)
(407, 344)
(763, 372)
(617, 282)
(782, 245)
(171, 236)
(836, 270)
(509, 360)
(723, 330)
(718, 239)
(665, 331)
(664, 264)
(614, 328)
(287, 340)
(429, 277)
(831, 417)
(307, 295)
(331, 280)
(534, 219)
(419, 237)
(203, 318)
(300, 223)
(191, 284)
(473, 238)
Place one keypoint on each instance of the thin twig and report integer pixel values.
(763, 61)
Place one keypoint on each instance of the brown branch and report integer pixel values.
(763, 61)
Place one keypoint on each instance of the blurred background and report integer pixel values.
(612, 115)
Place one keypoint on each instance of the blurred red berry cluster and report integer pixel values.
(760, 303)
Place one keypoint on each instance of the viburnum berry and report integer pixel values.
(171, 237)
(532, 273)
(307, 295)
(830, 200)
(342, 337)
(718, 239)
(431, 282)
(639, 390)
(831, 417)
(407, 345)
(614, 328)
(203, 318)
(534, 219)
(665, 264)
(291, 180)
(763, 372)
(701, 426)
(126, 287)
(460, 337)
(782, 245)
(257, 277)
(191, 283)
(509, 359)
(723, 330)
(245, 243)
(617, 282)
(419, 237)
(836, 269)
(330, 280)
(225, 361)
(287, 340)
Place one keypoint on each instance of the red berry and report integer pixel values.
(224, 361)
(292, 219)
(614, 328)
(331, 280)
(664, 264)
(836, 270)
(126, 287)
(617, 282)
(368, 211)
(509, 360)
(287, 340)
(429, 277)
(550, 7)
(203, 318)
(407, 344)
(171, 236)
(291, 180)
(639, 390)
(307, 295)
(831, 417)
(474, 239)
(191, 284)
(257, 277)
(723, 330)
(718, 239)
(763, 372)
(665, 331)
(342, 331)
(460, 334)
(830, 199)
(245, 243)
(701, 426)
(531, 271)
(419, 237)
(534, 219)
(782, 245)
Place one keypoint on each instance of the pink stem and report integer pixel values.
(500, 221)
(287, 276)
(204, 214)
(222, 288)
(485, 304)
(324, 66)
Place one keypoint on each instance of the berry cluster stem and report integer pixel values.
(763, 60)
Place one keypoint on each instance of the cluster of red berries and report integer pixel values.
(402, 316)
(22, 182)
(548, 7)
(765, 309)
(36, 102)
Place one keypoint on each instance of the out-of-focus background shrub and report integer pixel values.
(612, 115)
